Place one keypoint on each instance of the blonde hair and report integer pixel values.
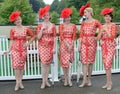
(90, 10)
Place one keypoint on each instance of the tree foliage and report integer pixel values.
(1, 0)
(36, 4)
(76, 3)
(8, 6)
(98, 5)
(75, 16)
(58, 5)
(54, 5)
(61, 6)
(54, 17)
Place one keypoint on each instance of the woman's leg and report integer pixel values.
(90, 66)
(47, 74)
(85, 70)
(43, 76)
(109, 81)
(69, 78)
(17, 77)
(65, 71)
(21, 76)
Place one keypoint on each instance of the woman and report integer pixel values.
(67, 37)
(18, 47)
(46, 32)
(88, 43)
(107, 34)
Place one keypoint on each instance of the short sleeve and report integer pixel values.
(11, 34)
(61, 31)
(29, 32)
(38, 28)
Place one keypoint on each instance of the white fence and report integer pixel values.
(33, 66)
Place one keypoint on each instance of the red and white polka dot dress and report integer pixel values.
(68, 35)
(108, 45)
(46, 44)
(88, 44)
(18, 48)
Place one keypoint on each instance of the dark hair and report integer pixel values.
(70, 15)
(110, 14)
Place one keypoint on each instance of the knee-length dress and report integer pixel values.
(18, 48)
(108, 45)
(88, 42)
(46, 44)
(68, 35)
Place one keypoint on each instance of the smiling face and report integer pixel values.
(47, 16)
(18, 21)
(88, 12)
(68, 19)
(107, 18)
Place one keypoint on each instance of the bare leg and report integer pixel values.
(21, 76)
(65, 71)
(108, 84)
(90, 66)
(43, 76)
(69, 80)
(46, 75)
(109, 81)
(105, 86)
(85, 70)
(17, 77)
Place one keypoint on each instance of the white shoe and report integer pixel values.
(21, 86)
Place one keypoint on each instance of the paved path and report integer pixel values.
(33, 87)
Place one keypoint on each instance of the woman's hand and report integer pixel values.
(25, 45)
(79, 49)
(54, 50)
(119, 36)
(6, 52)
(41, 32)
(44, 28)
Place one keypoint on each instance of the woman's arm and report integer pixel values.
(11, 41)
(61, 35)
(30, 33)
(80, 35)
(54, 45)
(113, 31)
(74, 36)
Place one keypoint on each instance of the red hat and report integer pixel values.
(83, 8)
(66, 12)
(14, 15)
(107, 11)
(43, 11)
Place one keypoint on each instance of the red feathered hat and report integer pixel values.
(66, 12)
(83, 8)
(43, 11)
(14, 15)
(107, 11)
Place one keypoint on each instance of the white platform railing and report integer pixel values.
(33, 66)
